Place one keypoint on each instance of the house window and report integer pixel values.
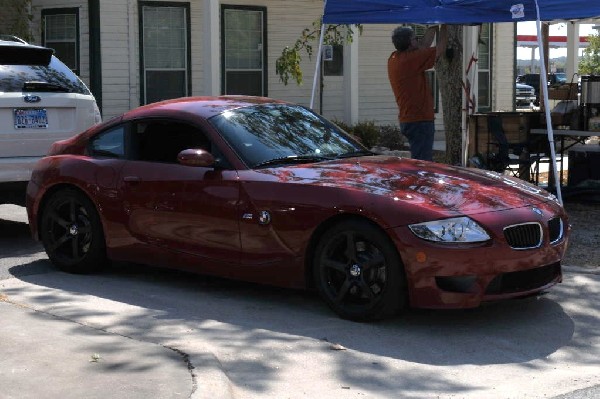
(61, 32)
(243, 49)
(431, 73)
(165, 58)
(484, 68)
(334, 65)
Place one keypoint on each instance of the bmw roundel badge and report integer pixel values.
(537, 211)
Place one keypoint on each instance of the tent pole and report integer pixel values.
(470, 55)
(318, 64)
(544, 84)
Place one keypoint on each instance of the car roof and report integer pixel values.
(204, 107)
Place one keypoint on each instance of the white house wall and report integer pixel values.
(503, 70)
(119, 25)
(117, 79)
(376, 100)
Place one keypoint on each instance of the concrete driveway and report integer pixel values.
(248, 341)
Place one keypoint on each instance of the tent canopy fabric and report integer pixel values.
(455, 11)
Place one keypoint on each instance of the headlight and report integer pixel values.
(462, 229)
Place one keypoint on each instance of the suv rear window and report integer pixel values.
(56, 77)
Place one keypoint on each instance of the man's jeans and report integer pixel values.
(420, 137)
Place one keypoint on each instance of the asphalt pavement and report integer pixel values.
(136, 332)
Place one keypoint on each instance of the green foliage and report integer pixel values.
(287, 65)
(16, 18)
(590, 61)
(391, 138)
(371, 135)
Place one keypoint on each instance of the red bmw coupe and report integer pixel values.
(261, 190)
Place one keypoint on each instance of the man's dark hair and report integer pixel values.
(401, 37)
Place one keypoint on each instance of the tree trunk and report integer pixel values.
(450, 75)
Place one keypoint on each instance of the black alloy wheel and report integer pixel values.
(358, 272)
(72, 233)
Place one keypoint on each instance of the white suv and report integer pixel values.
(41, 101)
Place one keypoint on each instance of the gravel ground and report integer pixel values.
(584, 242)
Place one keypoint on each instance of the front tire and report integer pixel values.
(358, 272)
(71, 232)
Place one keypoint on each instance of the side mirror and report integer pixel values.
(196, 157)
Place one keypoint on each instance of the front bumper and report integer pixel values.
(465, 275)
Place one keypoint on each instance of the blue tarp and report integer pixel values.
(455, 11)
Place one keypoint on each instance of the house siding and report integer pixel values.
(503, 71)
(284, 28)
(120, 69)
(376, 100)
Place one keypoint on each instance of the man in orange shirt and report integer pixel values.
(406, 71)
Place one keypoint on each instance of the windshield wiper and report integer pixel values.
(44, 86)
(359, 153)
(292, 159)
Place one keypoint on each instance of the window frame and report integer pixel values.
(188, 36)
(335, 67)
(430, 73)
(64, 11)
(490, 37)
(265, 52)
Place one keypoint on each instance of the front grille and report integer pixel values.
(522, 281)
(524, 236)
(555, 229)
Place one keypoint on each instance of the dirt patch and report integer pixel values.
(584, 242)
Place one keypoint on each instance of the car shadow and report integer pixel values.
(497, 333)
(159, 305)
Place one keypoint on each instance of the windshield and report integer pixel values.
(283, 133)
(56, 76)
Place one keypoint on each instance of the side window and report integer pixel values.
(110, 144)
(162, 141)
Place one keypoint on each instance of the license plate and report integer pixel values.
(31, 118)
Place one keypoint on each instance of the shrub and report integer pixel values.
(391, 138)
(367, 132)
(371, 135)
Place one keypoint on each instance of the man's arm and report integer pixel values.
(428, 37)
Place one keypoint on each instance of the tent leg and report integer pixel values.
(544, 84)
(317, 66)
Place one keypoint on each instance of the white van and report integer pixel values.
(41, 101)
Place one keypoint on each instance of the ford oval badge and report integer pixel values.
(537, 211)
(32, 99)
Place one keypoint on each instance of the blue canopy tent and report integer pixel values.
(464, 12)
(456, 11)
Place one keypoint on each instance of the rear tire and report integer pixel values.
(358, 272)
(71, 232)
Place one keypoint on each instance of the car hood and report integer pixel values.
(427, 184)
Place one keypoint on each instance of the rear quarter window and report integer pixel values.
(110, 144)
